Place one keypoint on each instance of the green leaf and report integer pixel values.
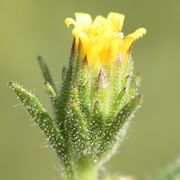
(45, 71)
(42, 119)
(65, 93)
(112, 135)
(50, 90)
(55, 100)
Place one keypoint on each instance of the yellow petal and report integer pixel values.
(102, 41)
(83, 20)
(117, 20)
(129, 39)
(69, 21)
(138, 33)
(110, 50)
(100, 20)
(98, 26)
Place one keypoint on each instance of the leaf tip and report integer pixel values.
(11, 84)
(39, 57)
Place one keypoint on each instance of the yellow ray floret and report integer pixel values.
(102, 40)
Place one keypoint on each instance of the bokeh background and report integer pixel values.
(36, 27)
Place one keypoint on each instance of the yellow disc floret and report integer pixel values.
(102, 40)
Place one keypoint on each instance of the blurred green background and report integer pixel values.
(36, 27)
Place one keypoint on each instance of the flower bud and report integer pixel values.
(102, 84)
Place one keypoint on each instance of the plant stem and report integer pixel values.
(87, 173)
(84, 172)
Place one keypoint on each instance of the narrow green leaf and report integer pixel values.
(55, 100)
(63, 73)
(65, 93)
(42, 119)
(45, 71)
(50, 90)
(69, 80)
(113, 129)
(77, 130)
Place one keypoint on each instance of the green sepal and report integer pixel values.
(83, 85)
(76, 128)
(114, 128)
(117, 104)
(132, 88)
(96, 129)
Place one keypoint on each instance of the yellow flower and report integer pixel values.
(102, 40)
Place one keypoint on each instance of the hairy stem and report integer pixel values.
(83, 172)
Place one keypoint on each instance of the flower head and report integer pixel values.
(94, 106)
(102, 40)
